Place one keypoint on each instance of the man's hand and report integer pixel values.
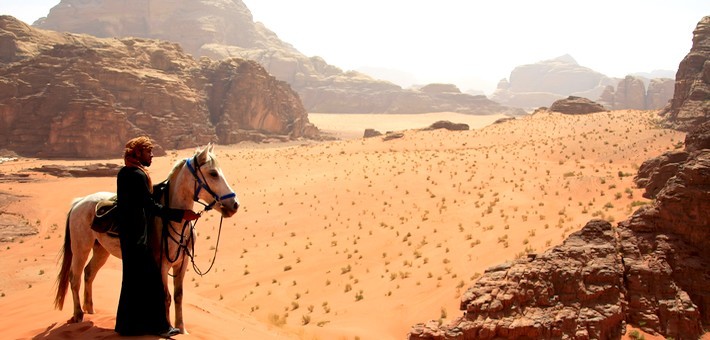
(190, 215)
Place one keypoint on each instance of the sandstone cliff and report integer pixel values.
(690, 105)
(68, 95)
(222, 29)
(649, 271)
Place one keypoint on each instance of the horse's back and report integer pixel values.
(82, 215)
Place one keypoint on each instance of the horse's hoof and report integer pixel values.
(76, 319)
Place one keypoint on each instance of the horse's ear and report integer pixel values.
(202, 155)
(210, 146)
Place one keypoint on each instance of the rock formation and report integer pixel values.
(690, 105)
(369, 133)
(542, 83)
(222, 29)
(650, 271)
(576, 105)
(659, 93)
(68, 95)
(447, 125)
(631, 93)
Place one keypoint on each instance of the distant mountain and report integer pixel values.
(542, 83)
(221, 29)
(399, 77)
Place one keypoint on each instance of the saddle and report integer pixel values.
(106, 214)
(105, 217)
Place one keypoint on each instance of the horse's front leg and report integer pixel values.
(164, 268)
(178, 279)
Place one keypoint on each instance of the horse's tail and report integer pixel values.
(66, 255)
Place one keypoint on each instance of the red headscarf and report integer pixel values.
(130, 155)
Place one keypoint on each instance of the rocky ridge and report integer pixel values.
(691, 102)
(222, 29)
(70, 95)
(649, 271)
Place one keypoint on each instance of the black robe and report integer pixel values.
(141, 307)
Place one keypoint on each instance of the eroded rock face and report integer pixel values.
(66, 95)
(576, 105)
(222, 29)
(650, 271)
(690, 105)
(631, 93)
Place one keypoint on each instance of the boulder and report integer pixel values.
(447, 125)
(576, 105)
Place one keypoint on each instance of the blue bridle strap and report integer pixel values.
(202, 184)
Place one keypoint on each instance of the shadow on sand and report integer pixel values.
(83, 330)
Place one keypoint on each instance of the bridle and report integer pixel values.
(201, 183)
(183, 243)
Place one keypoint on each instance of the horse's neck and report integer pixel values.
(182, 187)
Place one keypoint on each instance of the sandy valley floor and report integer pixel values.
(358, 238)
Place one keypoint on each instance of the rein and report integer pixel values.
(184, 242)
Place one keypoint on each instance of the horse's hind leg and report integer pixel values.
(77, 263)
(97, 261)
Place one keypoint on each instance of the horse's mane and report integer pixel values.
(175, 169)
(178, 165)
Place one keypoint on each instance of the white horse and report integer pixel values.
(191, 180)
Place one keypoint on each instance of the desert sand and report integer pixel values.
(349, 239)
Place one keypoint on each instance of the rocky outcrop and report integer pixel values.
(369, 133)
(690, 105)
(222, 29)
(89, 170)
(576, 105)
(650, 271)
(631, 93)
(447, 125)
(67, 95)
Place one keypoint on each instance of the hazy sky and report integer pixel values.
(472, 43)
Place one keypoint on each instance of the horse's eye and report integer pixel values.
(214, 174)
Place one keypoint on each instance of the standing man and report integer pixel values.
(141, 307)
